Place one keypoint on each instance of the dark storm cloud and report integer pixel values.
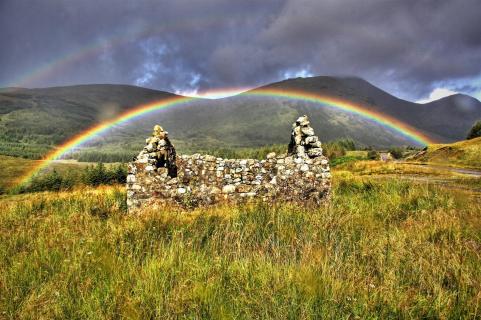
(405, 47)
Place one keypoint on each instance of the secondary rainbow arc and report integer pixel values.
(92, 50)
(344, 105)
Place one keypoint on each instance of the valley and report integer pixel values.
(252, 119)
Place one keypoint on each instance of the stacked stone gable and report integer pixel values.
(158, 176)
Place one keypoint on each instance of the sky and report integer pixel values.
(418, 50)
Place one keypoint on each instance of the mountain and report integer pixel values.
(447, 120)
(32, 121)
(450, 117)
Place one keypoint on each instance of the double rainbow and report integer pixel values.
(384, 120)
(93, 50)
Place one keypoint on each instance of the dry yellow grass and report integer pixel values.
(12, 169)
(465, 153)
(370, 167)
(383, 249)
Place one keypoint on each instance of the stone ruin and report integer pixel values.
(157, 176)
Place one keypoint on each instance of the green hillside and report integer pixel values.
(33, 121)
(463, 153)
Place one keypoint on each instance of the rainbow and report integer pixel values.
(56, 66)
(59, 64)
(342, 105)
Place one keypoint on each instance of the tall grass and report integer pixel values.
(388, 249)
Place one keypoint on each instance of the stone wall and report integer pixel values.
(302, 175)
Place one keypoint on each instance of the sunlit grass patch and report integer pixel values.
(463, 153)
(379, 167)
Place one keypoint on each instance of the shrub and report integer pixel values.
(90, 176)
(96, 175)
(51, 181)
(372, 155)
(99, 174)
(475, 131)
(118, 174)
(346, 143)
(396, 152)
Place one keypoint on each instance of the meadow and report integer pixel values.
(385, 248)
(59, 175)
(463, 154)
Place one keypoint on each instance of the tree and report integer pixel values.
(119, 174)
(97, 175)
(333, 150)
(51, 181)
(372, 155)
(396, 152)
(347, 143)
(475, 131)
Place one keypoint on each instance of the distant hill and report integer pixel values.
(448, 119)
(463, 153)
(33, 121)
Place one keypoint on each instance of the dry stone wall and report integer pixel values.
(158, 176)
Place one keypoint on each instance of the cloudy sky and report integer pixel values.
(414, 49)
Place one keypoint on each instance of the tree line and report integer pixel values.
(56, 180)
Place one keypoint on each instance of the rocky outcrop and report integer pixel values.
(157, 176)
(304, 144)
(158, 153)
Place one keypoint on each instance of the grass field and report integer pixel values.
(13, 169)
(383, 249)
(399, 240)
(464, 153)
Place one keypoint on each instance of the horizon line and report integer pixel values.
(221, 93)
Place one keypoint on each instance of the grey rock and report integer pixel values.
(181, 190)
(308, 131)
(314, 152)
(228, 189)
(302, 121)
(271, 155)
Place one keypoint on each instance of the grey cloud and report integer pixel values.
(405, 47)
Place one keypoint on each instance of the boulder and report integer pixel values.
(304, 143)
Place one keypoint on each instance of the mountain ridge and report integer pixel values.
(27, 115)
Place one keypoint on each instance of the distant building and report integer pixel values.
(385, 156)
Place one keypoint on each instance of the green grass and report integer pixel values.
(351, 156)
(383, 249)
